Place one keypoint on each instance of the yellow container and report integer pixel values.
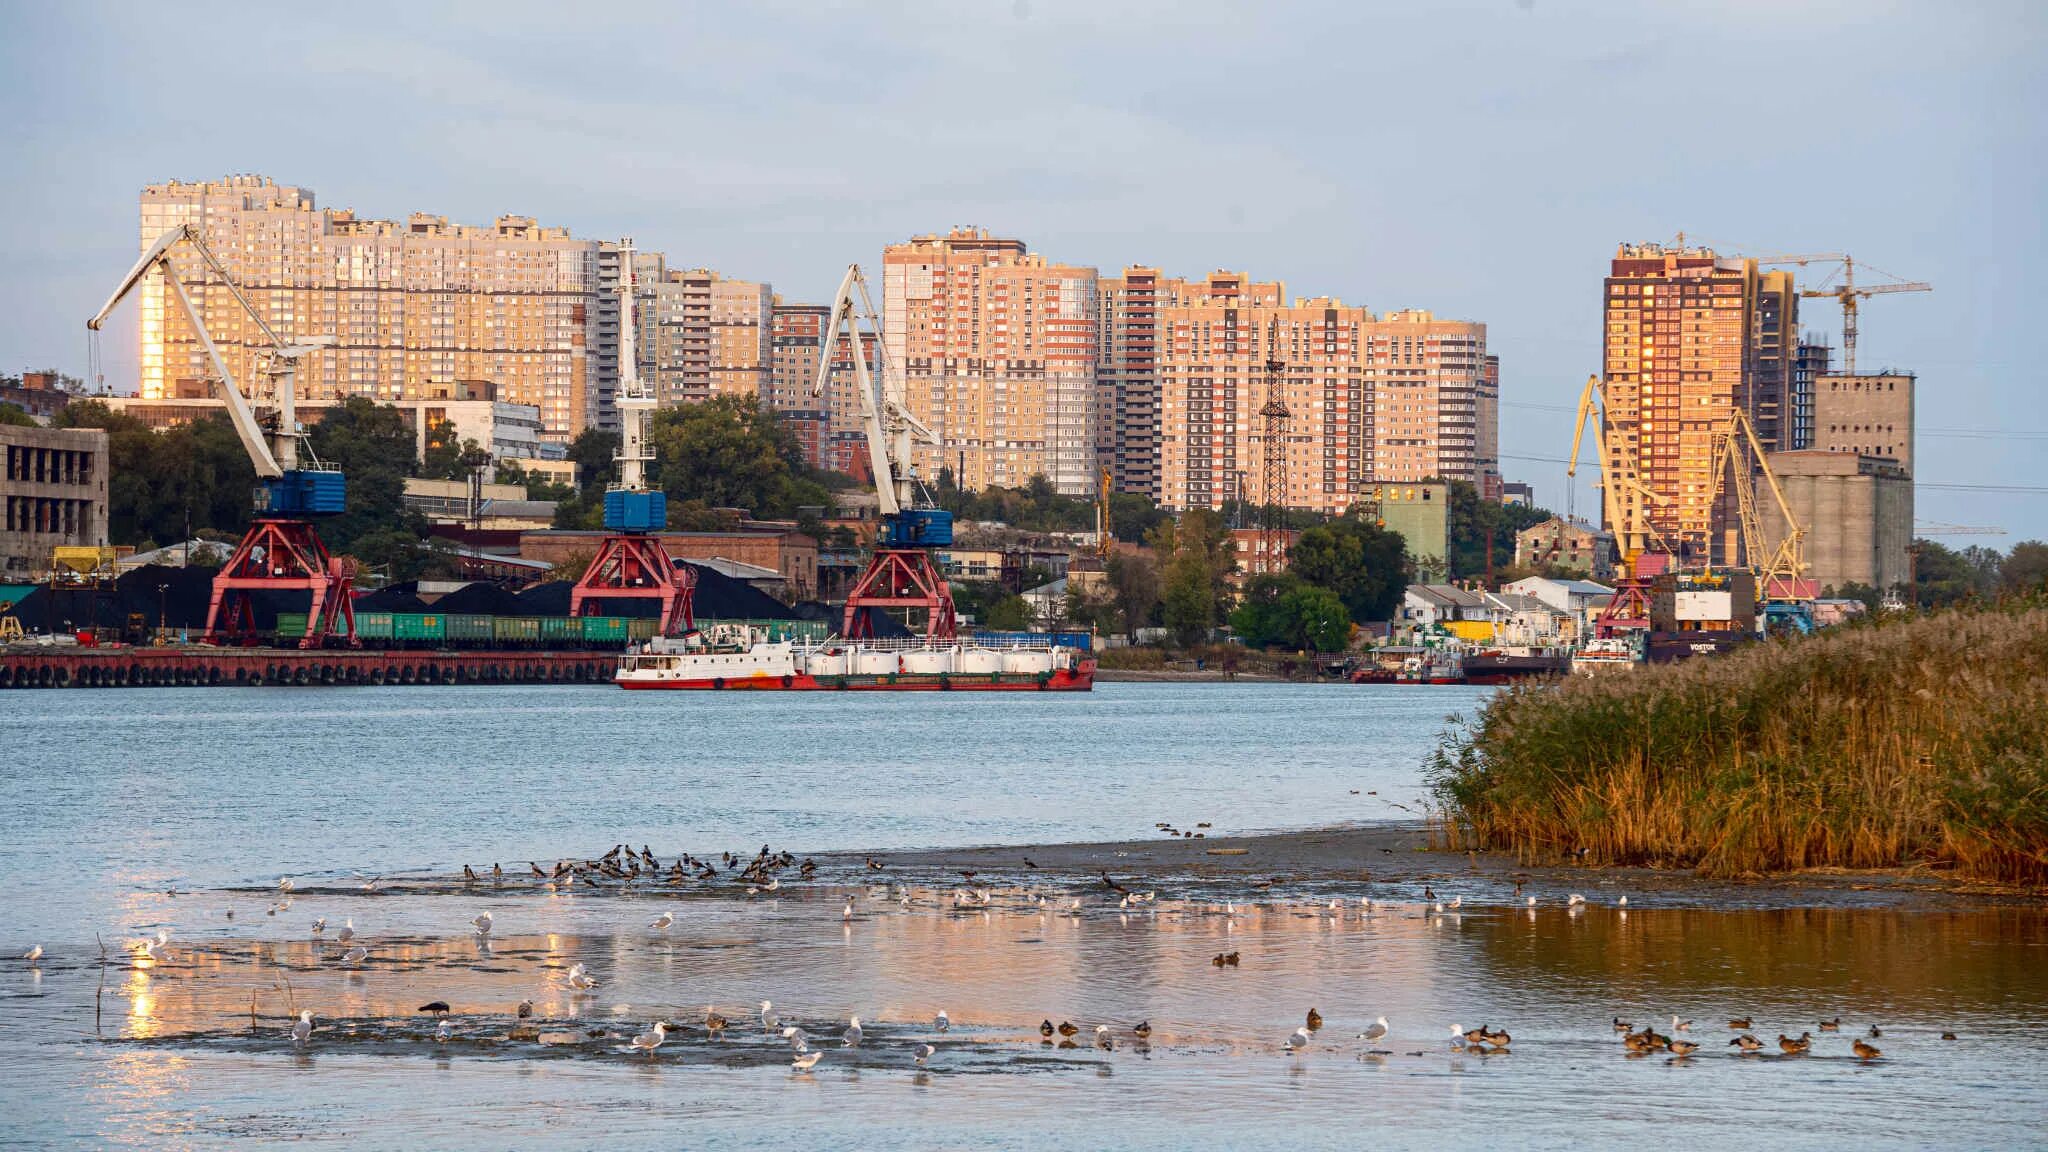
(1480, 631)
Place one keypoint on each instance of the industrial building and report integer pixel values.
(1566, 544)
(1421, 513)
(53, 494)
(1865, 416)
(1857, 513)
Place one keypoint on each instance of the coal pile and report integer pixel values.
(719, 597)
(401, 598)
(481, 600)
(163, 595)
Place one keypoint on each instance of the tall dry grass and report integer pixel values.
(1913, 741)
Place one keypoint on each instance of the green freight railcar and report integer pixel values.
(291, 628)
(373, 628)
(417, 629)
(604, 631)
(561, 631)
(466, 631)
(515, 631)
(640, 628)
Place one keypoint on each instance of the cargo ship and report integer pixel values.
(1507, 665)
(742, 658)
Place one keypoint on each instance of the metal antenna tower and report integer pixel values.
(1273, 421)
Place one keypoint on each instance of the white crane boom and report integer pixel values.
(890, 427)
(635, 402)
(272, 453)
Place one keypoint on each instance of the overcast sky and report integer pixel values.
(1478, 159)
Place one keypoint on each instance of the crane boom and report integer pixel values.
(158, 258)
(888, 425)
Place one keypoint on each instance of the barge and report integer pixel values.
(742, 659)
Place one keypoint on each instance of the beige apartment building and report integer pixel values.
(1370, 399)
(1690, 337)
(997, 350)
(407, 306)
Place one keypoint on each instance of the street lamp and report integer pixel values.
(162, 623)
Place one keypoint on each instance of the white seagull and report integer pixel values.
(159, 949)
(1297, 1040)
(924, 1053)
(355, 956)
(942, 1021)
(798, 1039)
(847, 912)
(662, 922)
(769, 1018)
(651, 1039)
(807, 1061)
(443, 1031)
(1377, 1029)
(1456, 901)
(580, 978)
(303, 1030)
(1457, 1035)
(319, 925)
(1102, 1038)
(483, 923)
(34, 954)
(1574, 900)
(853, 1033)
(1623, 901)
(284, 883)
(348, 931)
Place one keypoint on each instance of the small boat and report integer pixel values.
(1605, 654)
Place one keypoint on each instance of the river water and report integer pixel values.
(133, 811)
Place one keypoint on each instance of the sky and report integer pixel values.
(1476, 158)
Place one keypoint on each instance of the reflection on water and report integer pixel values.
(205, 1032)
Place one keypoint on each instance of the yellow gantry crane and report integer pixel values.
(1104, 545)
(1625, 505)
(1738, 460)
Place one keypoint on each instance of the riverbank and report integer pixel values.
(1920, 741)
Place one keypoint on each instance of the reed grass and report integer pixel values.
(1917, 741)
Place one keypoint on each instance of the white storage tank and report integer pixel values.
(1029, 661)
(827, 662)
(929, 661)
(871, 663)
(980, 661)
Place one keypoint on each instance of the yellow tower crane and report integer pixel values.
(1848, 292)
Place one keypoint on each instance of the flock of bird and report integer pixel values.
(761, 874)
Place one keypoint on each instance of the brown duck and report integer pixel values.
(1683, 1048)
(1865, 1050)
(1739, 1023)
(1067, 1028)
(1834, 1025)
(1315, 1020)
(1747, 1043)
(1798, 1047)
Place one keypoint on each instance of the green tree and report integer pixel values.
(448, 456)
(1262, 617)
(730, 452)
(1943, 577)
(1855, 590)
(2026, 567)
(16, 416)
(1134, 586)
(163, 485)
(595, 451)
(1203, 538)
(1012, 613)
(1189, 603)
(373, 447)
(1472, 521)
(1318, 619)
(1362, 563)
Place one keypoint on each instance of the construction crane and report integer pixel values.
(901, 573)
(281, 552)
(1937, 528)
(1625, 503)
(632, 563)
(1780, 566)
(1848, 292)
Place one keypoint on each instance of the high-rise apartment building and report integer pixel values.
(409, 308)
(1127, 379)
(1690, 336)
(700, 334)
(997, 350)
(1809, 364)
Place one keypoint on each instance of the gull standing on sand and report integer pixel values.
(1574, 900)
(1377, 1030)
(159, 949)
(847, 912)
(443, 1031)
(483, 923)
(942, 1022)
(853, 1033)
(348, 930)
(580, 979)
(807, 1061)
(303, 1030)
(798, 1039)
(355, 956)
(769, 1019)
(662, 922)
(32, 955)
(924, 1053)
(1298, 1040)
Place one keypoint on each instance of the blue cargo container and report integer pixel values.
(635, 511)
(918, 528)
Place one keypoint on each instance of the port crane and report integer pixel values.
(632, 563)
(1780, 566)
(901, 573)
(1625, 504)
(281, 552)
(1848, 292)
